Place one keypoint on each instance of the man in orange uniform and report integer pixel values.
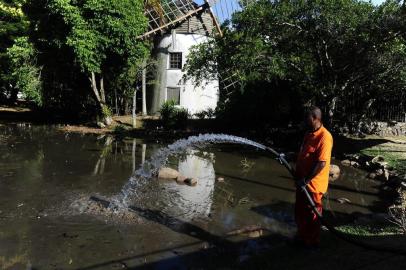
(312, 172)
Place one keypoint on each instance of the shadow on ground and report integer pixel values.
(268, 252)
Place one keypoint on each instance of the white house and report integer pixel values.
(171, 51)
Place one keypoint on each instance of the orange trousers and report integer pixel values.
(308, 224)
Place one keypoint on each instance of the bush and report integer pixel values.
(209, 113)
(397, 213)
(173, 117)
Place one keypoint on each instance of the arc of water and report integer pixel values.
(151, 167)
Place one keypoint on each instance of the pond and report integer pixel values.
(47, 221)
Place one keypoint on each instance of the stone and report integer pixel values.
(372, 175)
(220, 179)
(100, 124)
(354, 164)
(384, 176)
(108, 120)
(168, 173)
(190, 181)
(379, 172)
(378, 159)
(380, 162)
(346, 162)
(334, 173)
(181, 179)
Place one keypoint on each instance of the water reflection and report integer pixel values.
(193, 201)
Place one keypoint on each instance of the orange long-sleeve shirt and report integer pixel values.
(316, 147)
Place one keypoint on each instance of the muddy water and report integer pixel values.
(48, 222)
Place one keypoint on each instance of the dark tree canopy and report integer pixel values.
(343, 55)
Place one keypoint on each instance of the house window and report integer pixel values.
(173, 93)
(175, 60)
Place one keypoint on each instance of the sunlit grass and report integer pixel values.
(369, 230)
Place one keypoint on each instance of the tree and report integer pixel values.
(99, 35)
(24, 73)
(325, 50)
(13, 25)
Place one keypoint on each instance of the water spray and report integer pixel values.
(159, 159)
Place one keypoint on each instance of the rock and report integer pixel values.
(379, 172)
(386, 175)
(100, 124)
(367, 164)
(354, 164)
(343, 200)
(379, 161)
(372, 175)
(181, 179)
(220, 179)
(190, 181)
(168, 173)
(108, 120)
(346, 162)
(383, 174)
(334, 173)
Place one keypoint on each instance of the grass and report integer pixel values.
(368, 230)
(393, 151)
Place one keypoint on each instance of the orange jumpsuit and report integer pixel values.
(317, 146)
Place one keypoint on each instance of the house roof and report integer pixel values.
(183, 15)
(200, 24)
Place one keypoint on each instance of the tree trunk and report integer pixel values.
(134, 116)
(102, 94)
(331, 110)
(94, 88)
(363, 116)
(144, 91)
(100, 97)
(116, 102)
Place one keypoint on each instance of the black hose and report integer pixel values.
(331, 228)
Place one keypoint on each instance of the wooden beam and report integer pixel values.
(216, 23)
(182, 18)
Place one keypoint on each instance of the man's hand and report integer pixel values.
(301, 183)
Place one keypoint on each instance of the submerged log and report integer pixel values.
(252, 231)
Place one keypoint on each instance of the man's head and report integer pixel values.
(313, 117)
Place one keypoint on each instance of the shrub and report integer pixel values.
(209, 113)
(397, 213)
(173, 117)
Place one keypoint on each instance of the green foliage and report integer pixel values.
(369, 230)
(106, 111)
(25, 75)
(173, 117)
(205, 114)
(99, 29)
(13, 25)
(324, 51)
(76, 38)
(120, 130)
